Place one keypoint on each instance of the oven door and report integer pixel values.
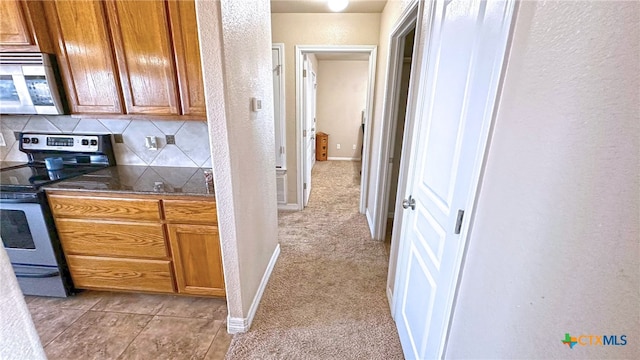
(25, 234)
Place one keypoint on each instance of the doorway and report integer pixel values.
(305, 114)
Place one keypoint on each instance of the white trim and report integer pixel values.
(407, 21)
(343, 158)
(283, 108)
(289, 207)
(240, 325)
(369, 220)
(300, 51)
(390, 300)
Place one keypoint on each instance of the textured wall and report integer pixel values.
(236, 56)
(554, 246)
(190, 150)
(342, 96)
(18, 337)
(314, 29)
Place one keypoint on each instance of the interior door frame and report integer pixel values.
(408, 20)
(301, 50)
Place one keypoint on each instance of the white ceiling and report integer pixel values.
(320, 6)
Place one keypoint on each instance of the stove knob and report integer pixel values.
(85, 142)
(94, 142)
(34, 140)
(26, 140)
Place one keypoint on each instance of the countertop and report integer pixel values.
(127, 179)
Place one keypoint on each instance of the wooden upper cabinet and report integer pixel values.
(23, 28)
(142, 43)
(14, 29)
(84, 55)
(187, 56)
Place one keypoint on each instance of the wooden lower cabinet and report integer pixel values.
(140, 243)
(94, 272)
(196, 259)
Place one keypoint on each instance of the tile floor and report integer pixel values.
(108, 325)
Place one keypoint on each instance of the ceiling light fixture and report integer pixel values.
(337, 5)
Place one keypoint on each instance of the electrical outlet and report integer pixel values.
(171, 139)
(338, 146)
(2, 142)
(354, 146)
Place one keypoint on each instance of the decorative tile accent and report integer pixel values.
(193, 139)
(115, 126)
(134, 137)
(167, 126)
(64, 122)
(191, 148)
(90, 126)
(171, 155)
(39, 123)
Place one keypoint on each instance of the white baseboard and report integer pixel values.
(390, 300)
(289, 207)
(240, 325)
(343, 158)
(370, 222)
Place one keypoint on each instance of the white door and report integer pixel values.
(456, 97)
(309, 127)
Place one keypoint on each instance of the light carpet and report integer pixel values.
(326, 296)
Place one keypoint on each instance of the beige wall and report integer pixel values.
(314, 29)
(241, 141)
(554, 245)
(342, 96)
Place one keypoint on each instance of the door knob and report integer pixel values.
(409, 203)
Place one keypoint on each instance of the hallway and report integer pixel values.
(326, 296)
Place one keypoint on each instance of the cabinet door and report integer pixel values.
(84, 53)
(187, 56)
(14, 29)
(141, 39)
(196, 259)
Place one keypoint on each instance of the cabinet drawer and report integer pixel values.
(122, 274)
(103, 208)
(190, 211)
(112, 239)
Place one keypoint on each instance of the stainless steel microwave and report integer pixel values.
(28, 84)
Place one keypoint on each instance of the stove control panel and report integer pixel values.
(66, 143)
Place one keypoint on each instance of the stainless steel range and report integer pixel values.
(26, 225)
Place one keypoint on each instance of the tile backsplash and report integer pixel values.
(191, 147)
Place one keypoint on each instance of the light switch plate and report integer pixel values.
(256, 104)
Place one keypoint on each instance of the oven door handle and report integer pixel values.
(20, 201)
(38, 276)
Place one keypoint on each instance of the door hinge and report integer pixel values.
(304, 73)
(459, 222)
(304, 186)
(281, 149)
